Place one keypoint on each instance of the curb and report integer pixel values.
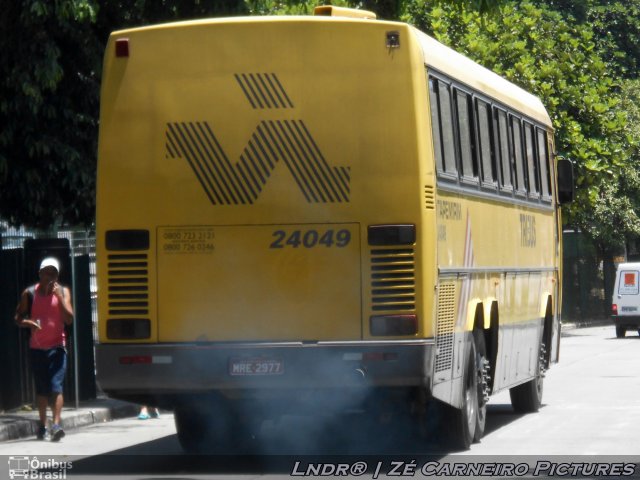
(18, 425)
(598, 322)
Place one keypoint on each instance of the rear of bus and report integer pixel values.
(265, 220)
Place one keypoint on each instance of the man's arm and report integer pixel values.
(64, 297)
(22, 312)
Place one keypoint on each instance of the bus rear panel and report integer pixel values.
(260, 205)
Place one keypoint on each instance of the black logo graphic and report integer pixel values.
(287, 141)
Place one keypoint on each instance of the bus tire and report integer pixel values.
(464, 421)
(191, 432)
(482, 380)
(207, 426)
(620, 332)
(527, 397)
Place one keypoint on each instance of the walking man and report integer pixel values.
(46, 308)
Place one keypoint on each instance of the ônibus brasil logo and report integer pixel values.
(27, 468)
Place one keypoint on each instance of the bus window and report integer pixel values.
(544, 164)
(532, 161)
(446, 124)
(465, 136)
(484, 135)
(435, 123)
(518, 159)
(503, 141)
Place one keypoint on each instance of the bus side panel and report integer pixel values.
(493, 251)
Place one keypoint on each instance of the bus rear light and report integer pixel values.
(393, 325)
(136, 359)
(379, 357)
(373, 356)
(122, 47)
(614, 309)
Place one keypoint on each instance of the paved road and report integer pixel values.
(591, 402)
(591, 407)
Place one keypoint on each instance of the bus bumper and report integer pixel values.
(132, 370)
(626, 321)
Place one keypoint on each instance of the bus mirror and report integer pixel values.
(565, 181)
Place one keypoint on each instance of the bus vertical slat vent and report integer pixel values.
(445, 326)
(128, 285)
(393, 280)
(429, 197)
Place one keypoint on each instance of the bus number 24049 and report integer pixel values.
(311, 238)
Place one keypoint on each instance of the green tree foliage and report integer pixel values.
(48, 106)
(558, 60)
(616, 213)
(118, 14)
(616, 25)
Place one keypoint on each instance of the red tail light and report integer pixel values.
(122, 47)
(133, 359)
(614, 309)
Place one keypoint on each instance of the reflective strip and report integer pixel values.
(163, 359)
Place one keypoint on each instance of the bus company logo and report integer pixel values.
(27, 468)
(272, 142)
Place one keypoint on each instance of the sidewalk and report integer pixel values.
(23, 423)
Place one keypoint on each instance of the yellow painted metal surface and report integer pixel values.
(251, 125)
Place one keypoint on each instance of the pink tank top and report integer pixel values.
(47, 309)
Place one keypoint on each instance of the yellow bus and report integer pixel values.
(321, 211)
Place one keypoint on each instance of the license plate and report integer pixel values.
(256, 366)
(629, 309)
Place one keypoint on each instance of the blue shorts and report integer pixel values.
(48, 367)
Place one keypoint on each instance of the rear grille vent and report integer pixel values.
(393, 286)
(445, 327)
(128, 285)
(429, 197)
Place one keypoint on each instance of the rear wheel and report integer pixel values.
(527, 398)
(620, 332)
(482, 380)
(468, 422)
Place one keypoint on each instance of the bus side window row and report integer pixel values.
(479, 143)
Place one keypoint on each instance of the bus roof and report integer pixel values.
(436, 55)
(460, 68)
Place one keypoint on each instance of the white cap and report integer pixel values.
(50, 262)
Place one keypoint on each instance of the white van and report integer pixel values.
(625, 305)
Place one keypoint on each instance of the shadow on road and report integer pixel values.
(500, 415)
(293, 439)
